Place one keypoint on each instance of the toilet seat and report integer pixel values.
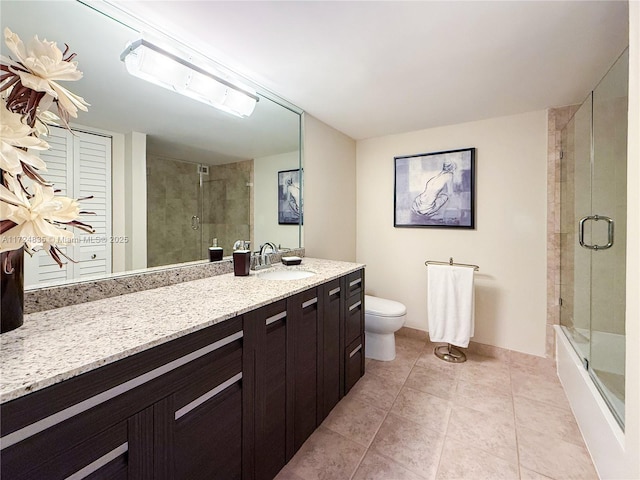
(381, 307)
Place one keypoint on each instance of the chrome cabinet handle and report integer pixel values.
(610, 232)
(355, 350)
(354, 306)
(355, 282)
(308, 303)
(334, 291)
(275, 318)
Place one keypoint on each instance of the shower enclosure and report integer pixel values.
(189, 204)
(593, 234)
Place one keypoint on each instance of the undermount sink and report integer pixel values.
(285, 274)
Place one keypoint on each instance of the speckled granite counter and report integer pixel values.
(55, 345)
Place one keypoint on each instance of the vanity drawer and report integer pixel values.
(354, 363)
(355, 283)
(354, 318)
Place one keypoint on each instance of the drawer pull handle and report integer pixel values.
(100, 462)
(355, 282)
(334, 291)
(355, 350)
(275, 318)
(354, 306)
(207, 396)
(308, 303)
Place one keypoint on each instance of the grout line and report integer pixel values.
(515, 424)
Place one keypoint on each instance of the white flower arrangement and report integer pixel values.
(32, 216)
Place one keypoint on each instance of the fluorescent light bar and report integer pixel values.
(153, 64)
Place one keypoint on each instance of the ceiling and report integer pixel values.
(376, 68)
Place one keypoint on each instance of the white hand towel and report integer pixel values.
(450, 304)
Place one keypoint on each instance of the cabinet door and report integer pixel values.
(304, 312)
(354, 363)
(271, 408)
(198, 429)
(331, 344)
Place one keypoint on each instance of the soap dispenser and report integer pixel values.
(215, 252)
(241, 259)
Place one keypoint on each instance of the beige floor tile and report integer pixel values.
(397, 370)
(484, 399)
(414, 446)
(355, 419)
(378, 467)
(535, 387)
(424, 408)
(526, 474)
(287, 474)
(408, 343)
(428, 359)
(553, 457)
(326, 455)
(378, 391)
(431, 380)
(532, 364)
(488, 372)
(460, 461)
(491, 433)
(547, 419)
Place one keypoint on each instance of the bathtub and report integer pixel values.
(601, 432)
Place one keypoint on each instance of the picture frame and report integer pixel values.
(435, 190)
(290, 208)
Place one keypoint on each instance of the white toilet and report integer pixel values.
(382, 318)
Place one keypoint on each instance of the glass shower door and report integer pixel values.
(593, 234)
(575, 262)
(608, 239)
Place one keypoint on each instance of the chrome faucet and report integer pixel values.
(241, 245)
(266, 245)
(262, 258)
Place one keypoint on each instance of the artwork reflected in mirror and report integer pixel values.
(289, 198)
(179, 173)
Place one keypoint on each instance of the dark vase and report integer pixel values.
(12, 292)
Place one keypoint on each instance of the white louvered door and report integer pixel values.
(79, 165)
(92, 177)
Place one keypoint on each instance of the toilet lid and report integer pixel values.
(383, 307)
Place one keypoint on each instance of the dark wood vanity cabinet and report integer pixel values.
(162, 413)
(235, 400)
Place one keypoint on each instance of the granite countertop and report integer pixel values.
(55, 345)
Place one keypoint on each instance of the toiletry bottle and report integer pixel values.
(215, 252)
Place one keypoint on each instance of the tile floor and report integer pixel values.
(419, 417)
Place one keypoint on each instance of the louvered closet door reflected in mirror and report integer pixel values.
(79, 165)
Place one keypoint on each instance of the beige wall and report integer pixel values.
(329, 192)
(632, 387)
(509, 242)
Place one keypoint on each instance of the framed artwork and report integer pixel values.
(435, 189)
(289, 198)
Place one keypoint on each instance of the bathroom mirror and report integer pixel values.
(181, 172)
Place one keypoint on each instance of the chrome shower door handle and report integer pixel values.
(596, 218)
(195, 222)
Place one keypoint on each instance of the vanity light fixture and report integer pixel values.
(153, 64)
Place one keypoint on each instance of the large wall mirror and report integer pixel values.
(168, 174)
